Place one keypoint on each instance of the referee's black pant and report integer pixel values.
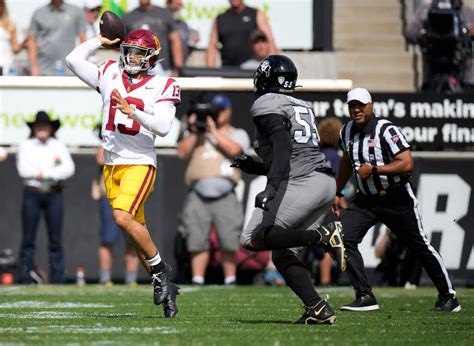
(397, 209)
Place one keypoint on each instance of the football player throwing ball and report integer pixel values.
(137, 107)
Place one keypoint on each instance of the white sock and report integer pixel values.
(155, 260)
(198, 280)
(230, 280)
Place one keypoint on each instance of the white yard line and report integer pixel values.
(77, 329)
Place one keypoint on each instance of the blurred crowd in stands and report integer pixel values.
(240, 37)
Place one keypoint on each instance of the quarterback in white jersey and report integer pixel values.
(136, 107)
(128, 139)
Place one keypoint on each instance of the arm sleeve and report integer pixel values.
(34, 27)
(395, 140)
(160, 122)
(24, 168)
(277, 130)
(78, 64)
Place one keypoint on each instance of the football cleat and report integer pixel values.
(161, 284)
(448, 304)
(362, 303)
(170, 307)
(331, 239)
(321, 313)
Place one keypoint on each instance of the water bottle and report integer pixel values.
(80, 276)
(12, 71)
(58, 68)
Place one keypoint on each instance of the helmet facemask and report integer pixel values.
(134, 59)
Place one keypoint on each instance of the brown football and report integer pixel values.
(111, 27)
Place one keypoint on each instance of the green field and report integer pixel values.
(218, 315)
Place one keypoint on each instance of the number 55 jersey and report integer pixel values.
(305, 154)
(124, 139)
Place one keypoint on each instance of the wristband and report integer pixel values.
(374, 171)
(339, 194)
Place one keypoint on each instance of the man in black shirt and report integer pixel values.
(380, 157)
(233, 29)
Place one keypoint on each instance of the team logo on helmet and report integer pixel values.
(265, 67)
(157, 42)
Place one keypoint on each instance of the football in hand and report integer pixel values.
(111, 27)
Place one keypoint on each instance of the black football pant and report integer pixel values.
(397, 210)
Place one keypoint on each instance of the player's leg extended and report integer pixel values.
(298, 279)
(292, 206)
(134, 183)
(128, 187)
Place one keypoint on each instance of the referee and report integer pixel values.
(378, 155)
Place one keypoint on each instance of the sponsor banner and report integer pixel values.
(293, 31)
(429, 121)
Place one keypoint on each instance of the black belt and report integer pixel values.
(325, 170)
(49, 189)
(386, 192)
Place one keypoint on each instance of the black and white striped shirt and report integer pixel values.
(377, 144)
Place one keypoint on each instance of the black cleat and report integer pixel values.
(363, 303)
(170, 307)
(331, 239)
(161, 284)
(319, 314)
(448, 304)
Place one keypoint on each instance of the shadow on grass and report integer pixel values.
(264, 322)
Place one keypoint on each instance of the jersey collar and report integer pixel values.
(130, 87)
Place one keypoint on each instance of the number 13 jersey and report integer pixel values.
(125, 141)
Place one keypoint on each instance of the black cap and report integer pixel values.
(258, 35)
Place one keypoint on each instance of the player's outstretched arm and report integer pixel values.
(249, 165)
(80, 66)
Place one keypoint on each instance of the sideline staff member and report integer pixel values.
(379, 155)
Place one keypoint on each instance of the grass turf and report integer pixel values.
(223, 316)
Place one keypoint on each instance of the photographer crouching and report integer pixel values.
(209, 143)
(444, 30)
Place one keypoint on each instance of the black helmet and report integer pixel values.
(275, 73)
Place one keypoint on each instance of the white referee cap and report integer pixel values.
(360, 94)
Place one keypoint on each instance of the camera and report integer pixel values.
(448, 45)
(202, 111)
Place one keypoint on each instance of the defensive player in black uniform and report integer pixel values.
(300, 187)
(378, 154)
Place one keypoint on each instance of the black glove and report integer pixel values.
(262, 199)
(247, 164)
